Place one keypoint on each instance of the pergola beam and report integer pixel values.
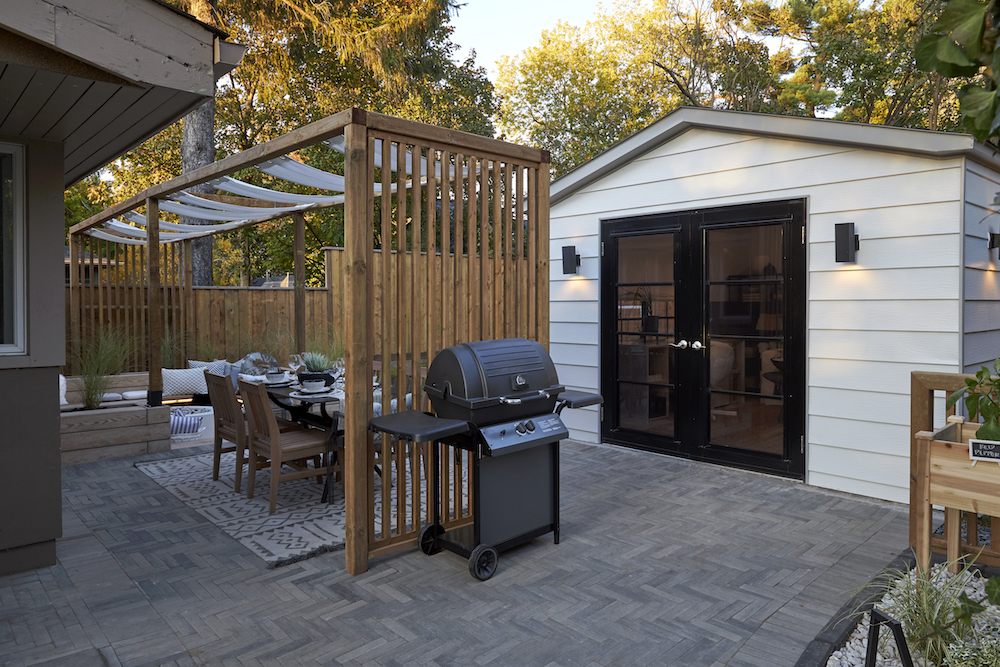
(286, 143)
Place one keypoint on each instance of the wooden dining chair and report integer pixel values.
(230, 423)
(292, 447)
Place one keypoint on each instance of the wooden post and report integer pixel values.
(155, 395)
(74, 298)
(357, 285)
(300, 281)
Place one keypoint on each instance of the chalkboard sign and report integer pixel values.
(984, 450)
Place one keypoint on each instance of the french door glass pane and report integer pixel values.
(745, 301)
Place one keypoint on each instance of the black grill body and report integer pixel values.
(499, 400)
(493, 380)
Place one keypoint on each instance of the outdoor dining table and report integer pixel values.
(291, 398)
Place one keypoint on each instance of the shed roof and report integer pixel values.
(924, 143)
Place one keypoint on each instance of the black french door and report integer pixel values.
(703, 334)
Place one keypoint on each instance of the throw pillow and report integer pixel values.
(184, 381)
(218, 366)
(62, 390)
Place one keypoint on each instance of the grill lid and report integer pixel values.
(493, 372)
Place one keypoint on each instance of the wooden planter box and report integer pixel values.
(114, 433)
(942, 474)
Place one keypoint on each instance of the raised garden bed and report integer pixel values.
(122, 431)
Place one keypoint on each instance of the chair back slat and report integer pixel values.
(225, 405)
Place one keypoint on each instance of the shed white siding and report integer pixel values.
(981, 317)
(870, 324)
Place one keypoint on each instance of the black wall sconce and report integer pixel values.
(570, 259)
(847, 241)
(994, 240)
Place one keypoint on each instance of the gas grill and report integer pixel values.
(500, 400)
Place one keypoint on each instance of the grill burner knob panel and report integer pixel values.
(513, 436)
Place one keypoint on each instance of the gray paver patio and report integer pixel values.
(662, 562)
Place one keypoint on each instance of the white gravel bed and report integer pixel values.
(852, 654)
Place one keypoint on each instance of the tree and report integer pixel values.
(289, 77)
(578, 92)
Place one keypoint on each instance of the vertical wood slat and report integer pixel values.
(403, 301)
(447, 280)
(509, 282)
(461, 295)
(530, 298)
(485, 266)
(416, 274)
(74, 294)
(499, 176)
(541, 294)
(520, 191)
(192, 351)
(299, 233)
(473, 325)
(382, 326)
(433, 319)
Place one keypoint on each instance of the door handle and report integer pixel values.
(680, 345)
(697, 345)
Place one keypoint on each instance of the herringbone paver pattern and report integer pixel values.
(662, 562)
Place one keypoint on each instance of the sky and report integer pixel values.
(496, 28)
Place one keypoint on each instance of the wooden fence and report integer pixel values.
(199, 322)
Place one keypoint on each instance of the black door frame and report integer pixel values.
(688, 274)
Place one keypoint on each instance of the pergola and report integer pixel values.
(464, 256)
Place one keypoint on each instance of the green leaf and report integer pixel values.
(940, 53)
(972, 405)
(953, 399)
(967, 607)
(964, 20)
(990, 430)
(950, 52)
(993, 590)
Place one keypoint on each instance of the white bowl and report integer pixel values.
(313, 385)
(275, 377)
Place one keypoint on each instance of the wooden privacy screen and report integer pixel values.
(449, 246)
(462, 256)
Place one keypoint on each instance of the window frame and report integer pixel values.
(19, 346)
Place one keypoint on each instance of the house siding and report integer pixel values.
(869, 324)
(981, 288)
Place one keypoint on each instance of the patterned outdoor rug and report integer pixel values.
(301, 526)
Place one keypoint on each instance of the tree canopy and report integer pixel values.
(301, 67)
(848, 59)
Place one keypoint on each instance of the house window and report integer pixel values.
(12, 270)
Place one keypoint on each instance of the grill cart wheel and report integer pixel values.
(426, 538)
(483, 562)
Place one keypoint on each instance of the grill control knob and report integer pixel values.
(521, 430)
(530, 425)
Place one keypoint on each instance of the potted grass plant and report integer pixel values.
(982, 398)
(316, 367)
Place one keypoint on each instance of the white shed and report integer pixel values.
(711, 312)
